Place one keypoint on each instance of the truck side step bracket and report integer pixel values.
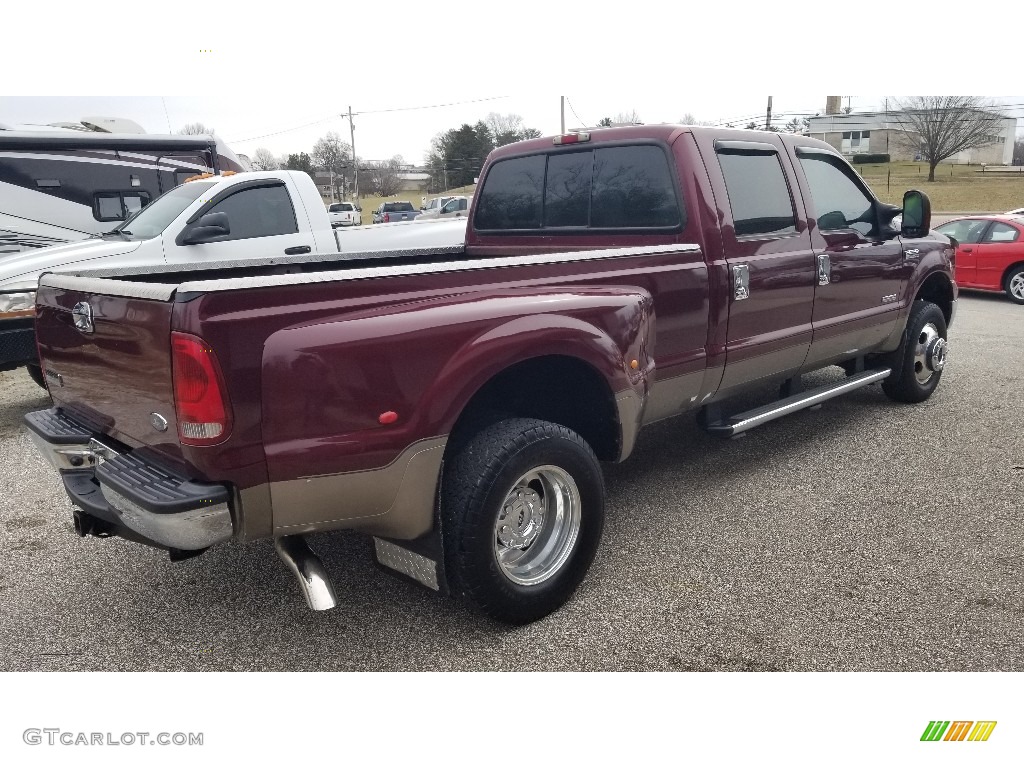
(735, 425)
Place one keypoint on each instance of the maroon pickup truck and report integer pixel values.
(456, 403)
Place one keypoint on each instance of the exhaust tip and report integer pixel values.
(309, 569)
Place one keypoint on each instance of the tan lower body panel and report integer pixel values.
(396, 501)
(671, 397)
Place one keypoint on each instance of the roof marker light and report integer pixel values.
(572, 138)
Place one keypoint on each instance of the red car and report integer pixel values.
(990, 253)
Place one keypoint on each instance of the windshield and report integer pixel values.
(154, 218)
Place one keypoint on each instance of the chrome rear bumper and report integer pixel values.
(157, 505)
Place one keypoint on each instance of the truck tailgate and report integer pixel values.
(106, 353)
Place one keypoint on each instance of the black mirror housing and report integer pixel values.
(209, 227)
(917, 214)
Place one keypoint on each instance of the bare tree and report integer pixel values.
(941, 126)
(690, 119)
(196, 129)
(383, 176)
(506, 129)
(332, 154)
(629, 118)
(263, 160)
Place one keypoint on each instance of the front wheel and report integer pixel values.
(1015, 285)
(522, 514)
(918, 363)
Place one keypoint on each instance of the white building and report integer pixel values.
(861, 133)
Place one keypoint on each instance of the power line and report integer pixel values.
(367, 112)
(583, 122)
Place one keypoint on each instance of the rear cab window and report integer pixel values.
(591, 189)
(760, 198)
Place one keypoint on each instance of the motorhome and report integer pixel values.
(60, 183)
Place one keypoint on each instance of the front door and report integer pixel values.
(968, 233)
(998, 249)
(264, 224)
(859, 274)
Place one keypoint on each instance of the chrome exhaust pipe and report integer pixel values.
(313, 579)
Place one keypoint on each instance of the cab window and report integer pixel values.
(964, 231)
(839, 202)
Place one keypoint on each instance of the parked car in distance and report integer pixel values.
(1015, 212)
(398, 210)
(345, 214)
(445, 207)
(989, 253)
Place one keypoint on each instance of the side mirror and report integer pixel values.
(917, 214)
(209, 227)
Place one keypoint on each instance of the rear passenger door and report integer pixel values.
(770, 262)
(263, 224)
(859, 274)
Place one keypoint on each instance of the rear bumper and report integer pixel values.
(139, 498)
(17, 344)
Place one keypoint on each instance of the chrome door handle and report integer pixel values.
(740, 282)
(824, 269)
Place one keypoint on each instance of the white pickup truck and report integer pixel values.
(208, 221)
(345, 214)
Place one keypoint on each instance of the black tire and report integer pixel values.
(904, 384)
(1016, 274)
(36, 372)
(477, 483)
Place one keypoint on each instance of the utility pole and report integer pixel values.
(355, 165)
(563, 116)
(768, 117)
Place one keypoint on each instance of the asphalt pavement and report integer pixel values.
(863, 536)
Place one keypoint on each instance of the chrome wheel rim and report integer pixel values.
(1017, 285)
(929, 354)
(537, 525)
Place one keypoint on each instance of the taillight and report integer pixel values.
(200, 398)
(387, 217)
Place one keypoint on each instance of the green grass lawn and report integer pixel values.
(956, 187)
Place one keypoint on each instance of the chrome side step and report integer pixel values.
(741, 422)
(313, 579)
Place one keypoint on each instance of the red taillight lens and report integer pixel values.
(200, 399)
(387, 218)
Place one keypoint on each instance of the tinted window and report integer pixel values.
(116, 206)
(258, 212)
(393, 207)
(567, 191)
(1001, 233)
(610, 187)
(839, 202)
(513, 195)
(108, 207)
(633, 188)
(758, 194)
(134, 202)
(965, 230)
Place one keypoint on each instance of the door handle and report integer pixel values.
(296, 250)
(740, 282)
(967, 250)
(824, 269)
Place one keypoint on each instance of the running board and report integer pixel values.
(741, 422)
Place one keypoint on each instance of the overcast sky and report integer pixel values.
(280, 76)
